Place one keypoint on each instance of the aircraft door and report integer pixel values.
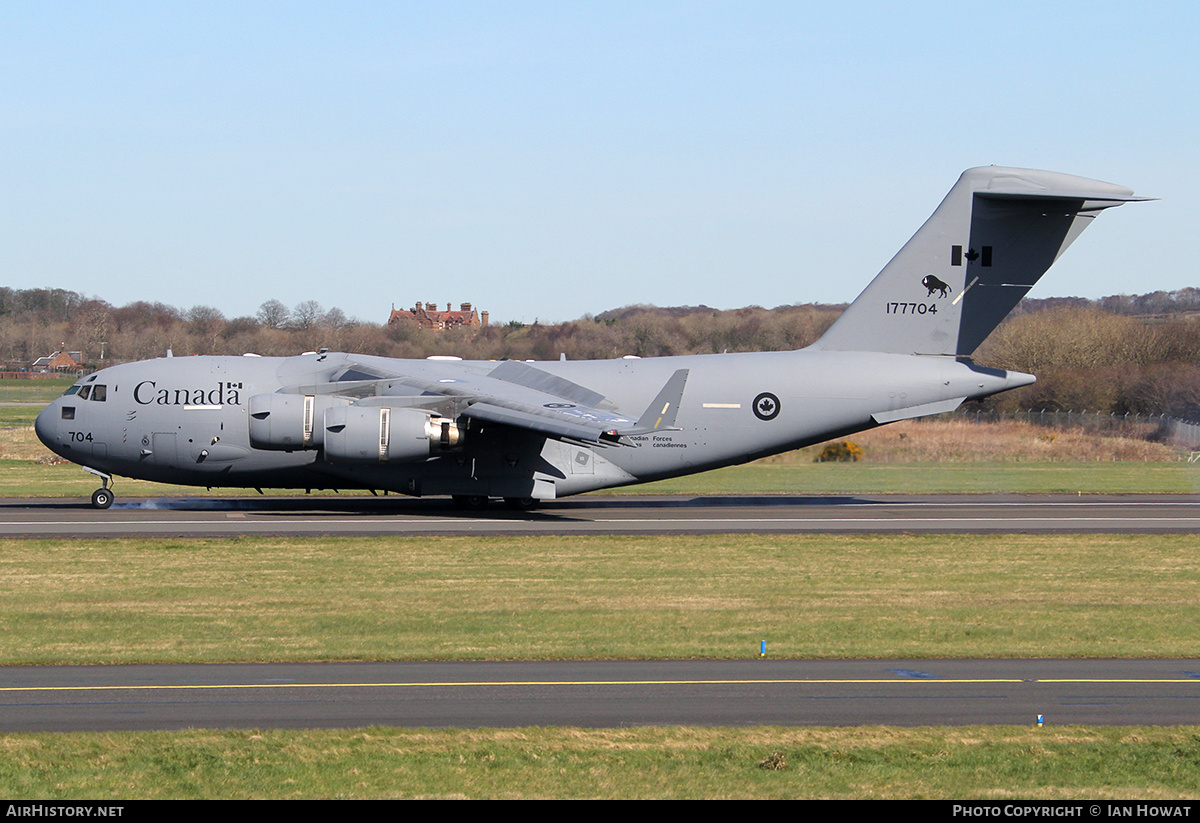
(164, 451)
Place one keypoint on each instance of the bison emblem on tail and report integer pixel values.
(933, 284)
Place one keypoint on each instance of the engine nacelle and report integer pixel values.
(287, 422)
(377, 434)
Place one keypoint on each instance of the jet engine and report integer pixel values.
(287, 422)
(375, 434)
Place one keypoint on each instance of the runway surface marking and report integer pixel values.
(474, 683)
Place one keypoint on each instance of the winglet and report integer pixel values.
(660, 414)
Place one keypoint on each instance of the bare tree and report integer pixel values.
(306, 315)
(273, 314)
(335, 318)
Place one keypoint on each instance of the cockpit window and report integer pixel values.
(99, 393)
(84, 391)
(71, 390)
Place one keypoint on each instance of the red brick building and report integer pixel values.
(429, 317)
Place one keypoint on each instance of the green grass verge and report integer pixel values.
(937, 478)
(396, 598)
(1001, 764)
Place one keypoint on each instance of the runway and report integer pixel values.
(593, 514)
(601, 694)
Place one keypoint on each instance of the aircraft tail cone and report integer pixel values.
(993, 381)
(1017, 379)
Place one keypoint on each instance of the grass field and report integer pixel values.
(993, 764)
(131, 600)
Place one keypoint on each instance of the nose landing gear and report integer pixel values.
(102, 497)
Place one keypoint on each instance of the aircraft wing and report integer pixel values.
(521, 395)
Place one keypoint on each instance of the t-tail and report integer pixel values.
(986, 245)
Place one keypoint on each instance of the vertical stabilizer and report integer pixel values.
(986, 245)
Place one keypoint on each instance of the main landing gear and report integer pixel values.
(102, 497)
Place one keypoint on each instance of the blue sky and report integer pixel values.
(545, 160)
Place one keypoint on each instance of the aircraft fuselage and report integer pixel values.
(187, 420)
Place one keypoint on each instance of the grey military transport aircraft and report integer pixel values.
(533, 431)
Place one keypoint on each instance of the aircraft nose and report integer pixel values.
(45, 424)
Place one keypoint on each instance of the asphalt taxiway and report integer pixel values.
(600, 694)
(593, 514)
